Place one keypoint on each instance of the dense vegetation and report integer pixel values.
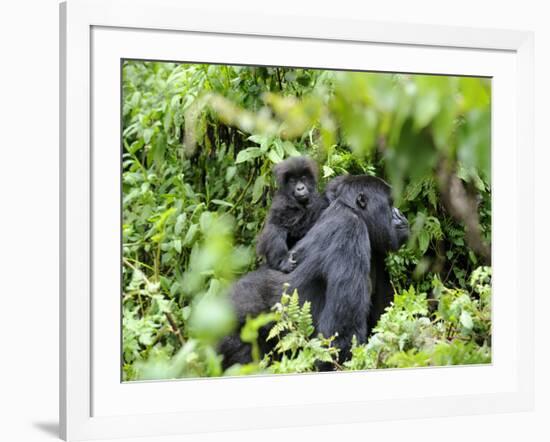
(199, 142)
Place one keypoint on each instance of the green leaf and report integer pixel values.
(290, 150)
(248, 154)
(186, 313)
(222, 203)
(147, 134)
(205, 221)
(258, 139)
(466, 320)
(427, 107)
(258, 189)
(135, 146)
(327, 172)
(230, 173)
(191, 234)
(211, 319)
(249, 332)
(180, 223)
(274, 156)
(278, 146)
(423, 241)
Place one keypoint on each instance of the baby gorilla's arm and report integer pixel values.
(297, 254)
(272, 245)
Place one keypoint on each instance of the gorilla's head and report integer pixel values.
(370, 198)
(297, 178)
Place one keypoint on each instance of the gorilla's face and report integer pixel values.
(370, 197)
(296, 178)
(300, 187)
(401, 226)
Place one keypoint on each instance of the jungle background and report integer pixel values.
(199, 142)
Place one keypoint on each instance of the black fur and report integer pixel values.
(295, 208)
(382, 213)
(382, 290)
(333, 266)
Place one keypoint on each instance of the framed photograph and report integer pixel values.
(325, 221)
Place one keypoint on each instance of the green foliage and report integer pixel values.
(199, 143)
(156, 326)
(410, 335)
(296, 351)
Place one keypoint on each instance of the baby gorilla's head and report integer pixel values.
(297, 178)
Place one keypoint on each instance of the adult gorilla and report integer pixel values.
(333, 268)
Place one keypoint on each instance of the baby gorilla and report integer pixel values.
(295, 208)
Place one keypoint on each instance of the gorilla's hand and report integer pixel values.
(289, 263)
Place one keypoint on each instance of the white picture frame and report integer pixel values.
(95, 35)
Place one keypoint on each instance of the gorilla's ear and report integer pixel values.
(334, 187)
(361, 200)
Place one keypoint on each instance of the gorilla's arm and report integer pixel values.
(344, 313)
(272, 244)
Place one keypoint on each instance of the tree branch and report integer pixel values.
(175, 328)
(463, 207)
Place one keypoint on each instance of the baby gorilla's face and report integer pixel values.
(297, 179)
(300, 186)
